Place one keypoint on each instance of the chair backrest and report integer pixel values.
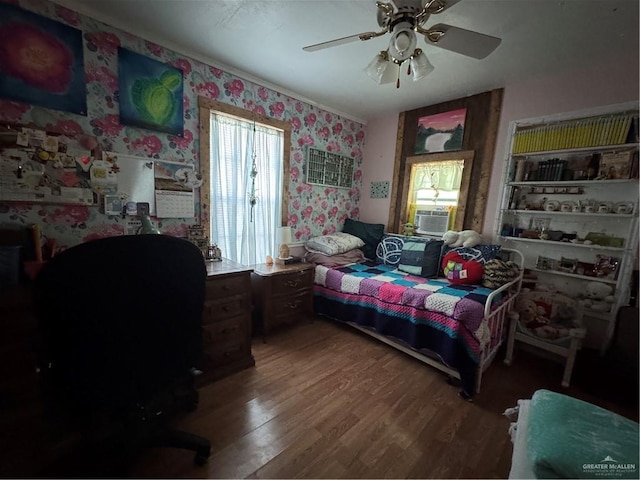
(121, 317)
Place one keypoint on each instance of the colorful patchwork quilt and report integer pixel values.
(430, 314)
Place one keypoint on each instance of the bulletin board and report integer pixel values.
(37, 166)
(45, 167)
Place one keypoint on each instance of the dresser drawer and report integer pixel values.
(230, 330)
(292, 282)
(223, 308)
(225, 286)
(288, 309)
(221, 355)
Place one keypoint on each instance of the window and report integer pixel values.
(229, 138)
(436, 184)
(438, 181)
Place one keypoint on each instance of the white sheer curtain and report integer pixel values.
(240, 238)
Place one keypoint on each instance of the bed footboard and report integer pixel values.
(498, 319)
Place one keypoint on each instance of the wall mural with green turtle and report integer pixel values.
(150, 93)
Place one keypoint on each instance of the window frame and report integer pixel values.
(466, 156)
(205, 107)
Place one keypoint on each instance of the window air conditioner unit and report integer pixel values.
(432, 222)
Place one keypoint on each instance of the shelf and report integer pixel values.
(564, 244)
(570, 183)
(572, 214)
(575, 275)
(595, 148)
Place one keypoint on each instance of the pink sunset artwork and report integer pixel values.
(444, 121)
(440, 132)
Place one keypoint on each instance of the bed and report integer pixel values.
(456, 328)
(558, 436)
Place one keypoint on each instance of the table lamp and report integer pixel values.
(284, 238)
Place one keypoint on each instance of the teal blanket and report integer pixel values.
(570, 438)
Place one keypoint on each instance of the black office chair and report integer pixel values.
(121, 326)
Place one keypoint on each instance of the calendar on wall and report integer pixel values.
(331, 169)
(174, 184)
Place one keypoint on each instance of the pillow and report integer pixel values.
(352, 256)
(460, 271)
(498, 272)
(480, 253)
(389, 249)
(333, 243)
(421, 257)
(369, 233)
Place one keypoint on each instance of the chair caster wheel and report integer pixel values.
(200, 459)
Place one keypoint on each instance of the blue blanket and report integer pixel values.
(570, 438)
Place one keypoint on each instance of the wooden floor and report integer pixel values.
(326, 401)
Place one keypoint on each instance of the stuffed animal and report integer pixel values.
(599, 297)
(531, 315)
(465, 238)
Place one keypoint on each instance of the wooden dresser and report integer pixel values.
(282, 294)
(226, 320)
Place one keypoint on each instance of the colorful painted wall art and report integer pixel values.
(41, 61)
(150, 93)
(442, 132)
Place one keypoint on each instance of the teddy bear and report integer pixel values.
(465, 238)
(599, 297)
(531, 315)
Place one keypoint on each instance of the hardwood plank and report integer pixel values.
(325, 401)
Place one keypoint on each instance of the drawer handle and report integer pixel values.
(291, 283)
(292, 305)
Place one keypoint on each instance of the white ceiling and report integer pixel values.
(263, 40)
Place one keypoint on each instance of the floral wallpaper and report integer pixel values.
(313, 210)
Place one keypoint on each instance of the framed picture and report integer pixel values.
(568, 265)
(150, 93)
(442, 132)
(546, 263)
(41, 61)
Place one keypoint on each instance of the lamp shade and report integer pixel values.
(284, 238)
(283, 235)
(377, 67)
(420, 65)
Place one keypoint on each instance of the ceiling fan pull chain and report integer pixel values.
(398, 80)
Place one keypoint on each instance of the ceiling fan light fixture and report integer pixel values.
(420, 65)
(403, 43)
(378, 66)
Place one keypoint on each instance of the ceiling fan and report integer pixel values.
(403, 19)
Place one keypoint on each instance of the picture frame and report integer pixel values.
(567, 265)
(546, 263)
(442, 132)
(59, 52)
(141, 80)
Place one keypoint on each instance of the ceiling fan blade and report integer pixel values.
(338, 41)
(459, 40)
(447, 4)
